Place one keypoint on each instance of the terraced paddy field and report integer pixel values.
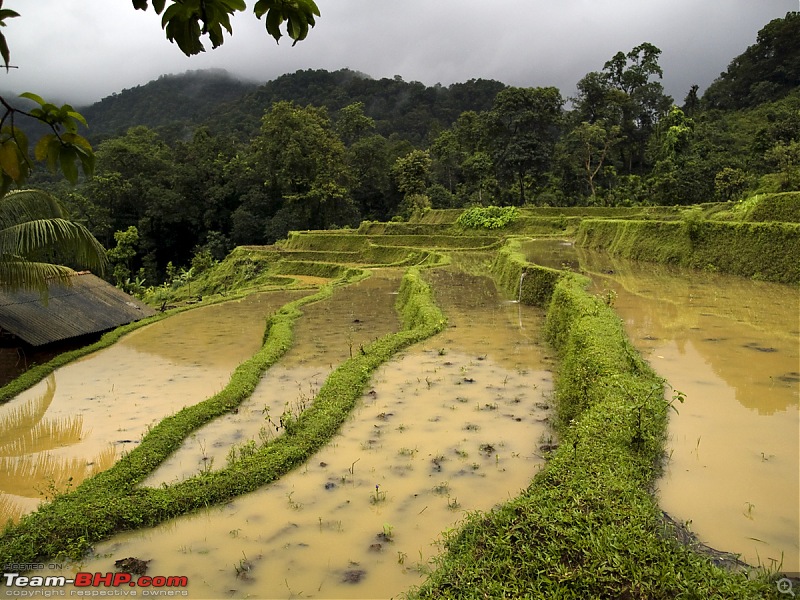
(431, 415)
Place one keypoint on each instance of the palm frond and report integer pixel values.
(71, 239)
(19, 274)
(19, 206)
(34, 228)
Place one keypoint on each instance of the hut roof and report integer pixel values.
(89, 305)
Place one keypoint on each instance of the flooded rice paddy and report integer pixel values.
(731, 345)
(85, 414)
(454, 424)
(325, 336)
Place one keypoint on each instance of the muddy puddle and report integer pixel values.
(327, 334)
(453, 424)
(85, 414)
(731, 345)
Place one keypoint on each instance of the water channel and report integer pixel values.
(450, 425)
(732, 345)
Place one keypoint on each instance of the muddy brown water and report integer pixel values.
(326, 335)
(731, 345)
(450, 425)
(79, 420)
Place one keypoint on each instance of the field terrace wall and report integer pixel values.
(379, 249)
(767, 251)
(530, 283)
(402, 228)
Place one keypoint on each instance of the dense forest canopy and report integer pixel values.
(189, 166)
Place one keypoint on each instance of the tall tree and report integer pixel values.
(303, 162)
(591, 144)
(641, 100)
(523, 127)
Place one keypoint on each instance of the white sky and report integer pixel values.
(80, 51)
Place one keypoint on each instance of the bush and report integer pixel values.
(489, 217)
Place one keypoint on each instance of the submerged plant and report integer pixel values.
(377, 495)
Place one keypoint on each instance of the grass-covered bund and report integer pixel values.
(588, 525)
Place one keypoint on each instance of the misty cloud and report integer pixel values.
(82, 50)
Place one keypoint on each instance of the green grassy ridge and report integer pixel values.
(314, 241)
(244, 267)
(110, 502)
(438, 216)
(587, 526)
(327, 270)
(766, 251)
(448, 216)
(781, 207)
(538, 225)
(336, 241)
(537, 284)
(57, 528)
(437, 241)
(402, 228)
(248, 268)
(377, 256)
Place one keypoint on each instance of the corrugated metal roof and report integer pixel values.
(89, 305)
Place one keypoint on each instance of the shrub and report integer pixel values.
(489, 217)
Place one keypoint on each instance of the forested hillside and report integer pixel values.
(175, 103)
(209, 162)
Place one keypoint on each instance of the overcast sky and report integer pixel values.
(80, 51)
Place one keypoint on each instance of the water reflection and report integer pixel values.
(731, 345)
(31, 466)
(79, 420)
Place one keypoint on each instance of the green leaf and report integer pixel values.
(31, 96)
(53, 152)
(67, 156)
(87, 162)
(273, 23)
(261, 7)
(234, 5)
(140, 4)
(42, 149)
(76, 140)
(6, 14)
(21, 140)
(4, 53)
(78, 117)
(312, 7)
(9, 160)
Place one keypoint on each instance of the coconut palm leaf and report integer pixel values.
(17, 274)
(33, 228)
(19, 206)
